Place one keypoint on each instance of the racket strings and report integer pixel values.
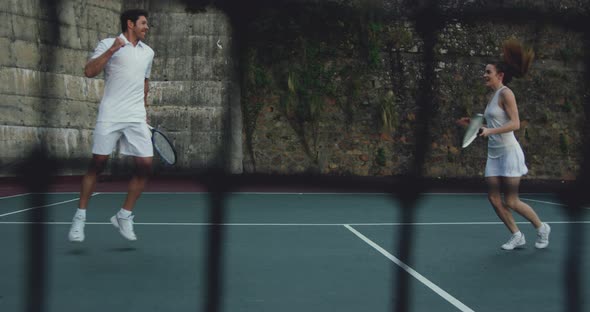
(164, 148)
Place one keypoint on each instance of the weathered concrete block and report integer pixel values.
(93, 89)
(42, 112)
(20, 81)
(208, 93)
(104, 20)
(170, 45)
(171, 118)
(205, 119)
(67, 13)
(212, 23)
(65, 61)
(68, 37)
(210, 68)
(53, 86)
(74, 87)
(7, 82)
(6, 6)
(27, 82)
(191, 119)
(27, 54)
(112, 5)
(132, 4)
(174, 69)
(68, 145)
(6, 25)
(88, 40)
(25, 28)
(175, 24)
(168, 6)
(168, 93)
(5, 52)
(205, 46)
(25, 7)
(19, 110)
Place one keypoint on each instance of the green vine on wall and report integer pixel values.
(257, 81)
(374, 44)
(389, 113)
(309, 82)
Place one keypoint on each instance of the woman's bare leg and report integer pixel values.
(495, 198)
(513, 201)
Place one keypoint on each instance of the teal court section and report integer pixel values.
(291, 252)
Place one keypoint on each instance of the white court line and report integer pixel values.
(550, 203)
(542, 201)
(36, 207)
(12, 196)
(458, 304)
(294, 224)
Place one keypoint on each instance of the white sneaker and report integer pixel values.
(543, 236)
(77, 230)
(125, 226)
(517, 240)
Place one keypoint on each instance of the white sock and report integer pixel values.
(123, 213)
(80, 213)
(542, 227)
(519, 234)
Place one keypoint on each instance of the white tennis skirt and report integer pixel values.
(506, 161)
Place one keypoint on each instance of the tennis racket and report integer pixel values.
(473, 130)
(163, 146)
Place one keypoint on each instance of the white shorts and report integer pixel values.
(135, 138)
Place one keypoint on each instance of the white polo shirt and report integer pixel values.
(125, 73)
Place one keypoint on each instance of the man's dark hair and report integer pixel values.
(132, 15)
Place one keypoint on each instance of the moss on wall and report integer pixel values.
(337, 93)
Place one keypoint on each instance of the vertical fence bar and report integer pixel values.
(37, 172)
(427, 17)
(214, 294)
(575, 198)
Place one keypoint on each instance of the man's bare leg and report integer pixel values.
(97, 165)
(123, 220)
(143, 167)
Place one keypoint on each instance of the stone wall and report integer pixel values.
(359, 113)
(46, 98)
(327, 87)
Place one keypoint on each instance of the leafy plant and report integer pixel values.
(563, 143)
(380, 158)
(389, 115)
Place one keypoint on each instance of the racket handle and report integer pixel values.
(479, 131)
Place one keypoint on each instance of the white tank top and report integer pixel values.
(496, 117)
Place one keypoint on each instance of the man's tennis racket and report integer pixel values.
(473, 130)
(163, 146)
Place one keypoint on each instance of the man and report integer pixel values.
(122, 117)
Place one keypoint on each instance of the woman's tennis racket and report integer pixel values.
(473, 129)
(163, 146)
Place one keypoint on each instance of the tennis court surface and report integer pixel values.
(290, 252)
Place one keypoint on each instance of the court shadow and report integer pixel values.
(77, 252)
(122, 249)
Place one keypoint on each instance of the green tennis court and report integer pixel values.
(291, 252)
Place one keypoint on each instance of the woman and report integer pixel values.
(505, 163)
